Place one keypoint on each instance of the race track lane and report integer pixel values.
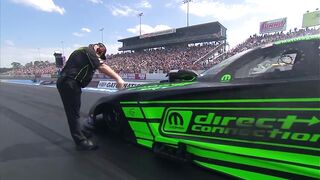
(35, 144)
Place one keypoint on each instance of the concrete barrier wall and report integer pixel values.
(103, 83)
(97, 76)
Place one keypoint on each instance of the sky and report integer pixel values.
(32, 30)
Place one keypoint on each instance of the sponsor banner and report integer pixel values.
(140, 76)
(47, 82)
(93, 84)
(158, 33)
(311, 19)
(100, 76)
(128, 76)
(112, 84)
(273, 26)
(298, 128)
(136, 76)
(46, 75)
(54, 76)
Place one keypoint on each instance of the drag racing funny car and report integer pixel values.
(252, 116)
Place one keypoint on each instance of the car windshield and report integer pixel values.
(278, 60)
(219, 67)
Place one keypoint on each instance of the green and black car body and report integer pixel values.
(252, 116)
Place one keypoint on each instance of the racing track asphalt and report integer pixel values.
(35, 144)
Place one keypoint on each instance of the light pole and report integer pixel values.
(62, 47)
(140, 14)
(39, 54)
(101, 34)
(187, 2)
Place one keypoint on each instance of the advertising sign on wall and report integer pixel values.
(112, 84)
(275, 25)
(311, 19)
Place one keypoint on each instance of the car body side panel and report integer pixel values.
(268, 129)
(264, 127)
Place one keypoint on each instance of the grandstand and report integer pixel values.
(192, 53)
(208, 32)
(162, 55)
(163, 51)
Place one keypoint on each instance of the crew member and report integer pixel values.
(77, 74)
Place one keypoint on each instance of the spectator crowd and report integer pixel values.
(257, 40)
(159, 60)
(36, 70)
(162, 60)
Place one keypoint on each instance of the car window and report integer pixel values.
(292, 60)
(219, 67)
(270, 61)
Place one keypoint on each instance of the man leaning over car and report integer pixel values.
(77, 74)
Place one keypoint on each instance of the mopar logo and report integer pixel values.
(225, 78)
(177, 120)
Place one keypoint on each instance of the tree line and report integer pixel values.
(17, 65)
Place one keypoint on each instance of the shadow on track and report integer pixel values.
(143, 164)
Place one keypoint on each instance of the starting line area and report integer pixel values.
(31, 83)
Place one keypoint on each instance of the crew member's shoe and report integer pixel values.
(87, 133)
(86, 145)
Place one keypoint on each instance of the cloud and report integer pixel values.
(78, 45)
(113, 48)
(147, 29)
(42, 5)
(144, 4)
(242, 19)
(168, 5)
(9, 43)
(123, 11)
(86, 30)
(223, 11)
(239, 34)
(77, 34)
(96, 1)
(216, 9)
(25, 55)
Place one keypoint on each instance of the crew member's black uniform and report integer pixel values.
(77, 73)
